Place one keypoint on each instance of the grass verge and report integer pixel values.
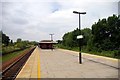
(112, 54)
(9, 56)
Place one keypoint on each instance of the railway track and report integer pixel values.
(12, 70)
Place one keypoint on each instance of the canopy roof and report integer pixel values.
(47, 41)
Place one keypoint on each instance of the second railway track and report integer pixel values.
(11, 71)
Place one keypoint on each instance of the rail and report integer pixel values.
(12, 70)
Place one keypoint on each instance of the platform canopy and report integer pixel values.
(47, 41)
(46, 44)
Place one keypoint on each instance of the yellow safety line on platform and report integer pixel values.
(98, 56)
(38, 67)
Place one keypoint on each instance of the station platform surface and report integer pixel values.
(60, 63)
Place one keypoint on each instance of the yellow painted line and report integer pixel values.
(92, 55)
(38, 67)
(98, 56)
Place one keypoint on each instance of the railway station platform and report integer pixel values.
(32, 67)
(60, 63)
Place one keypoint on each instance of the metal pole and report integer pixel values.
(80, 56)
(52, 40)
(51, 37)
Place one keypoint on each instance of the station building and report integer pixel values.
(47, 44)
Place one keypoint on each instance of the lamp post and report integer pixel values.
(80, 56)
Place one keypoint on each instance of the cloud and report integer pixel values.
(55, 6)
(20, 21)
(35, 20)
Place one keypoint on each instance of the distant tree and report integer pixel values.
(67, 39)
(5, 39)
(34, 43)
(106, 33)
(11, 42)
(87, 33)
(19, 40)
(59, 41)
(70, 38)
(21, 45)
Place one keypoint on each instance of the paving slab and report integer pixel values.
(101, 59)
(61, 63)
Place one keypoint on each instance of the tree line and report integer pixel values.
(103, 36)
(8, 46)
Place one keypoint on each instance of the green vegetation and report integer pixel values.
(103, 39)
(5, 39)
(7, 57)
(12, 49)
(8, 46)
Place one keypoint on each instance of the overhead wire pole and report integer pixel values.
(51, 40)
(80, 56)
(51, 37)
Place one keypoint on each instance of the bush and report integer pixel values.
(117, 54)
(9, 49)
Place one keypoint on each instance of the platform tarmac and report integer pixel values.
(60, 63)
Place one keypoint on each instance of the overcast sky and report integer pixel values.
(36, 19)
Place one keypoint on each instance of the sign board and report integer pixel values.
(80, 36)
